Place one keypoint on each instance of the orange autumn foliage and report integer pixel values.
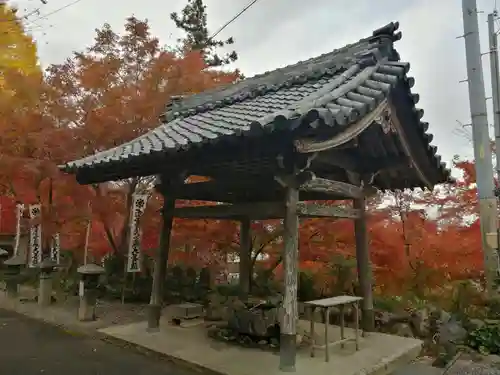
(108, 94)
(116, 89)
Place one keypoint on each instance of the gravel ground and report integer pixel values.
(471, 368)
(460, 367)
(29, 347)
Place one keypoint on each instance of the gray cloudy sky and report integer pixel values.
(274, 33)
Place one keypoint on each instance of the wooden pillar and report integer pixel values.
(364, 267)
(160, 265)
(288, 338)
(245, 256)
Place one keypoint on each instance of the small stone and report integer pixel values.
(402, 329)
(383, 318)
(474, 324)
(419, 321)
(452, 332)
(263, 342)
(437, 317)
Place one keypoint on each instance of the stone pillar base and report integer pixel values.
(153, 314)
(12, 288)
(367, 320)
(45, 289)
(87, 307)
(288, 352)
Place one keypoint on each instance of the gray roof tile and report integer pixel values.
(337, 87)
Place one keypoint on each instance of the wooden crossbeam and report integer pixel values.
(231, 191)
(314, 210)
(262, 211)
(259, 191)
(253, 211)
(322, 185)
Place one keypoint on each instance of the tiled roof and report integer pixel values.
(338, 88)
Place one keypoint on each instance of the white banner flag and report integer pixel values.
(55, 248)
(134, 247)
(35, 257)
(17, 238)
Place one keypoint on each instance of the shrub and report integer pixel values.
(486, 339)
(306, 290)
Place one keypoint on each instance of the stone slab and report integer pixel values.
(333, 301)
(379, 354)
(186, 310)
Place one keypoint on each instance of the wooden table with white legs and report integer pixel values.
(326, 304)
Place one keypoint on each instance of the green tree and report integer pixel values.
(193, 20)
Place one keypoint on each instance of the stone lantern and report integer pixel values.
(12, 274)
(47, 267)
(90, 274)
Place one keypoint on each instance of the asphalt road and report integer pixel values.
(29, 347)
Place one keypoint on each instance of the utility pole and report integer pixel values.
(495, 86)
(481, 141)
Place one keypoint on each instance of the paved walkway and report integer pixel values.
(29, 347)
(378, 353)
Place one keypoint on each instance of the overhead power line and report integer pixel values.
(233, 19)
(46, 15)
(26, 16)
(42, 16)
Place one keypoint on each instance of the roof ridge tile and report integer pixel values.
(366, 51)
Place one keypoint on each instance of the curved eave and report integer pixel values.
(354, 93)
(416, 139)
(413, 133)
